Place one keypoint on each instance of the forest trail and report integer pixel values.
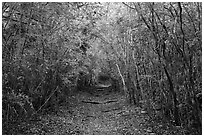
(152, 51)
(102, 113)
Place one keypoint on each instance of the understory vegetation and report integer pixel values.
(149, 53)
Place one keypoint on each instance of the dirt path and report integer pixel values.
(105, 115)
(100, 114)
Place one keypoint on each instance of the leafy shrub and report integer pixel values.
(16, 106)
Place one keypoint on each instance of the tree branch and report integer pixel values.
(128, 5)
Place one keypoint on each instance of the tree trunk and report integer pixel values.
(136, 81)
(171, 88)
(131, 89)
(122, 78)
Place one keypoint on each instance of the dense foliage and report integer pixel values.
(151, 52)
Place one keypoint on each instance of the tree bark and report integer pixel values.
(122, 78)
(171, 88)
(137, 77)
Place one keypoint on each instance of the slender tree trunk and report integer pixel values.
(131, 89)
(136, 81)
(137, 91)
(122, 78)
(171, 88)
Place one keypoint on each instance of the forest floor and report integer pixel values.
(102, 113)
